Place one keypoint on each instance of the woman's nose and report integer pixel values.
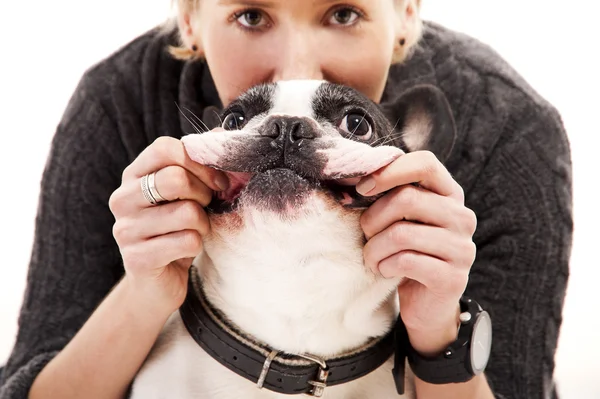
(299, 59)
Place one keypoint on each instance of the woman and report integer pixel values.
(108, 267)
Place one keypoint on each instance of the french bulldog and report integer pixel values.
(280, 301)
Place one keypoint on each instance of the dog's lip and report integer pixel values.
(227, 199)
(237, 182)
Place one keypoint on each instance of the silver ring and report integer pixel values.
(146, 192)
(153, 190)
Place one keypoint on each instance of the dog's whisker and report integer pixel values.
(194, 125)
(380, 139)
(199, 121)
(218, 116)
(386, 139)
(200, 125)
(391, 139)
(383, 138)
(396, 124)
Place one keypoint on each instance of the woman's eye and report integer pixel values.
(234, 121)
(344, 16)
(357, 125)
(250, 18)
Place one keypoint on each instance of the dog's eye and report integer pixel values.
(234, 121)
(357, 125)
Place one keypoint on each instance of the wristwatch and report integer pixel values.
(460, 361)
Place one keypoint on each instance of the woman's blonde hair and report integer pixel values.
(182, 52)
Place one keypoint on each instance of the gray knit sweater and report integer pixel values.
(512, 159)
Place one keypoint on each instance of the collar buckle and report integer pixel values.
(320, 383)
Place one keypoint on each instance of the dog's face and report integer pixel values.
(286, 143)
(286, 235)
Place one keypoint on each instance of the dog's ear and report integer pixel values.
(211, 116)
(424, 119)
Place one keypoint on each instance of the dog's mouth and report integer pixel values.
(342, 190)
(266, 174)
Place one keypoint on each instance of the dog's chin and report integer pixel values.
(284, 191)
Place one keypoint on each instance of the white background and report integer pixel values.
(46, 45)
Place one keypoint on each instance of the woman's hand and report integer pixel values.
(158, 243)
(423, 233)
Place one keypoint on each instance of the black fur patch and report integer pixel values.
(332, 103)
(277, 190)
(255, 101)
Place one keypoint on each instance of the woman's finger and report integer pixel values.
(420, 167)
(159, 251)
(429, 240)
(168, 151)
(172, 183)
(161, 220)
(420, 205)
(435, 274)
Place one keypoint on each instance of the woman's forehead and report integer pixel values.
(296, 3)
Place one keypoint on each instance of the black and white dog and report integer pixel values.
(280, 301)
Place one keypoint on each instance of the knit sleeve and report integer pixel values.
(523, 201)
(74, 260)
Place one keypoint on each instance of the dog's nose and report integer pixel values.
(289, 128)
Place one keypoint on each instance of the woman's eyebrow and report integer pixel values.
(268, 3)
(323, 2)
(250, 3)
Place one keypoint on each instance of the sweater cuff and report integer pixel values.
(17, 385)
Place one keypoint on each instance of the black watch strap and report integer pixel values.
(450, 366)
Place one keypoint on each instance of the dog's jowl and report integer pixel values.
(280, 302)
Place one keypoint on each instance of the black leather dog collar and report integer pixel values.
(276, 371)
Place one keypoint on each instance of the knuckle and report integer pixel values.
(469, 251)
(181, 180)
(163, 141)
(470, 220)
(192, 242)
(460, 192)
(430, 163)
(365, 224)
(114, 202)
(407, 262)
(407, 197)
(167, 149)
(117, 231)
(120, 230)
(399, 233)
(191, 211)
(127, 172)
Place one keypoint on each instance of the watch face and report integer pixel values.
(481, 342)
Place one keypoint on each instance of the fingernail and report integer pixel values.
(222, 182)
(365, 185)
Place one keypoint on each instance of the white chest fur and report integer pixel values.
(178, 368)
(298, 285)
